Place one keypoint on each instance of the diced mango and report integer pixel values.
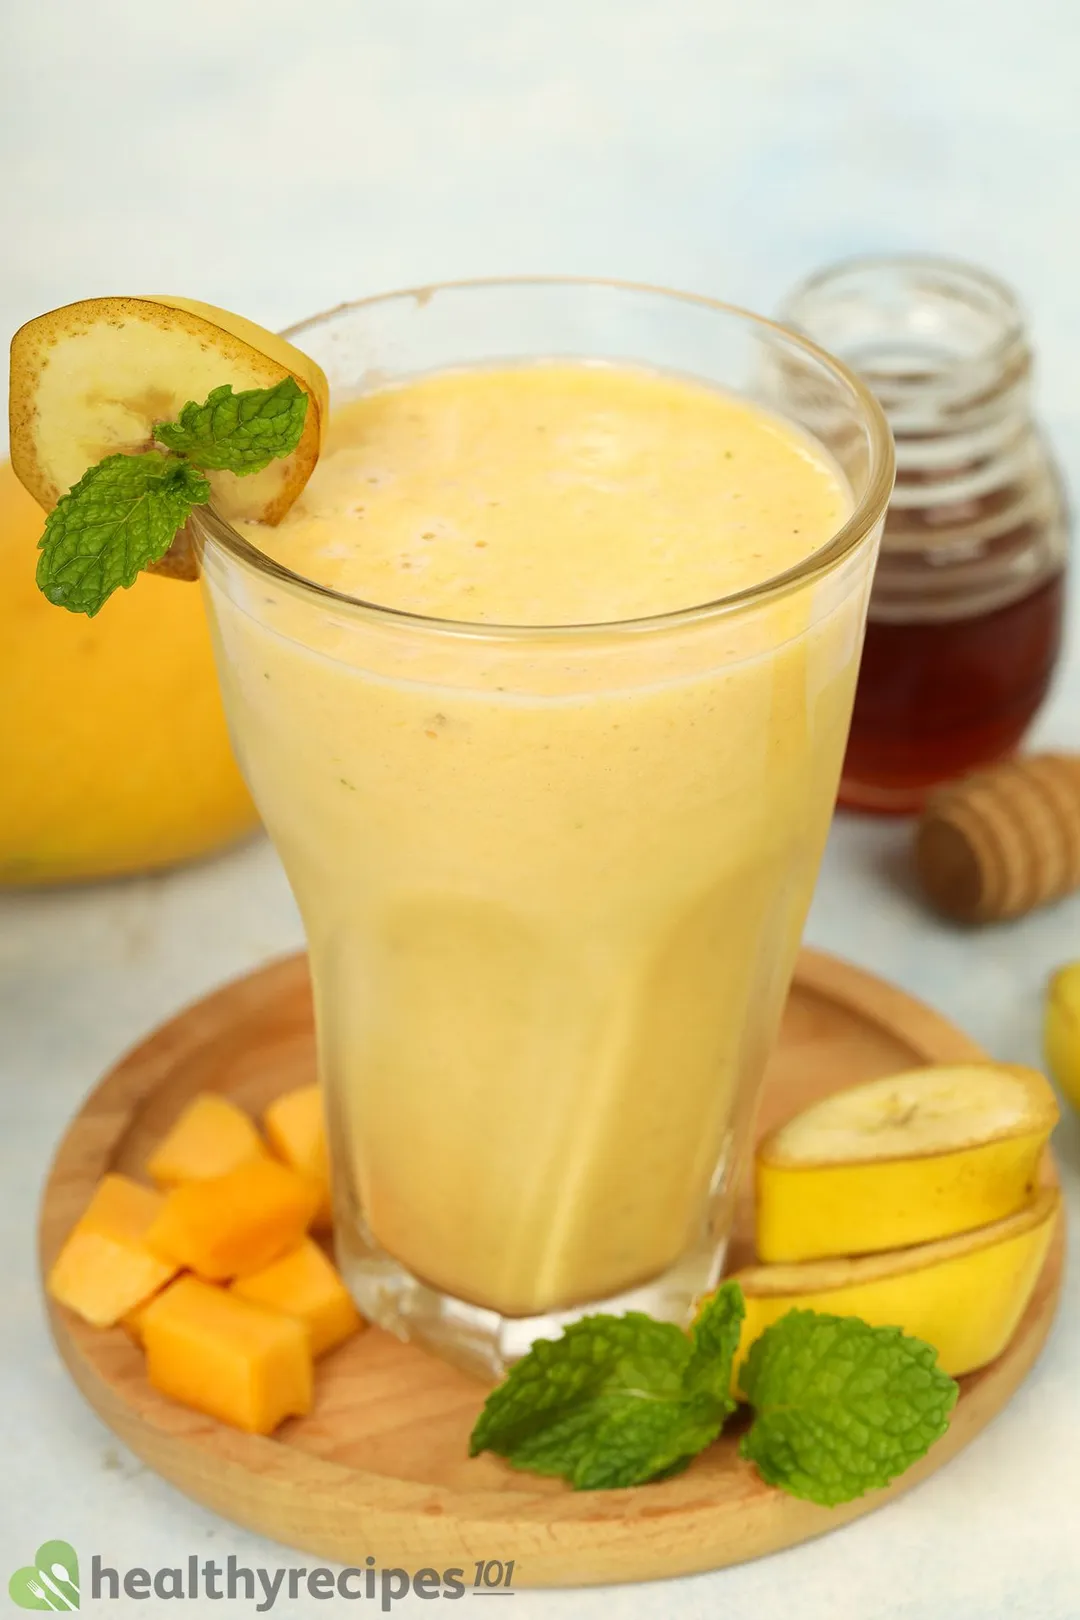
(107, 1268)
(306, 1285)
(211, 1137)
(233, 1224)
(224, 1356)
(297, 1131)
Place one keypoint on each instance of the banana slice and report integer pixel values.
(964, 1295)
(92, 378)
(1061, 1030)
(908, 1159)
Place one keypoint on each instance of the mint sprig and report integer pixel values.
(840, 1407)
(122, 514)
(125, 511)
(238, 433)
(617, 1400)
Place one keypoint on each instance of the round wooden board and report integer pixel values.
(380, 1467)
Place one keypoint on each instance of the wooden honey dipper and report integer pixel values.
(1003, 841)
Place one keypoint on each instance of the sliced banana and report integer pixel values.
(964, 1295)
(92, 378)
(908, 1159)
(1061, 1030)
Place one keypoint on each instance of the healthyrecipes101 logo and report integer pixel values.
(50, 1582)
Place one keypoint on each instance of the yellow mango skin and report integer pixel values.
(810, 1212)
(295, 1126)
(306, 1285)
(965, 1296)
(246, 1366)
(1061, 1030)
(211, 1137)
(229, 1225)
(116, 757)
(106, 1270)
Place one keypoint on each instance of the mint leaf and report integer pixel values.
(238, 433)
(715, 1339)
(122, 514)
(126, 511)
(841, 1408)
(617, 1400)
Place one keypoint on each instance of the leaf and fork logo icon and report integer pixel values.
(51, 1582)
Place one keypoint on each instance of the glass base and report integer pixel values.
(908, 798)
(483, 1342)
(872, 797)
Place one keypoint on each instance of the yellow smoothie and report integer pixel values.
(553, 886)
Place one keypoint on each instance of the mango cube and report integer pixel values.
(211, 1137)
(224, 1356)
(131, 1321)
(294, 1123)
(236, 1223)
(107, 1268)
(305, 1284)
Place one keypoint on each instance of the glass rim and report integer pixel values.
(865, 515)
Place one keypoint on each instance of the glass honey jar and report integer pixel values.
(966, 613)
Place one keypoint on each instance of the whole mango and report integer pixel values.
(115, 753)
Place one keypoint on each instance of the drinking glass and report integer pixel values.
(552, 878)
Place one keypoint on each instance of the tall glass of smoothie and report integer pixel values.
(542, 689)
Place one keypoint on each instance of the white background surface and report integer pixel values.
(277, 157)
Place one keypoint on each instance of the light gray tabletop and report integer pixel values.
(277, 157)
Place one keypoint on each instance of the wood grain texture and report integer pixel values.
(380, 1467)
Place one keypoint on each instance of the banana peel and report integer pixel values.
(906, 1160)
(1061, 1030)
(965, 1295)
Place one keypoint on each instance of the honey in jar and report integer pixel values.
(965, 618)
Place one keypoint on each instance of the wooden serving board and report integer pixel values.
(381, 1467)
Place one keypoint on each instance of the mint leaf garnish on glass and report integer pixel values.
(126, 511)
(840, 1407)
(617, 1400)
(122, 514)
(238, 433)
